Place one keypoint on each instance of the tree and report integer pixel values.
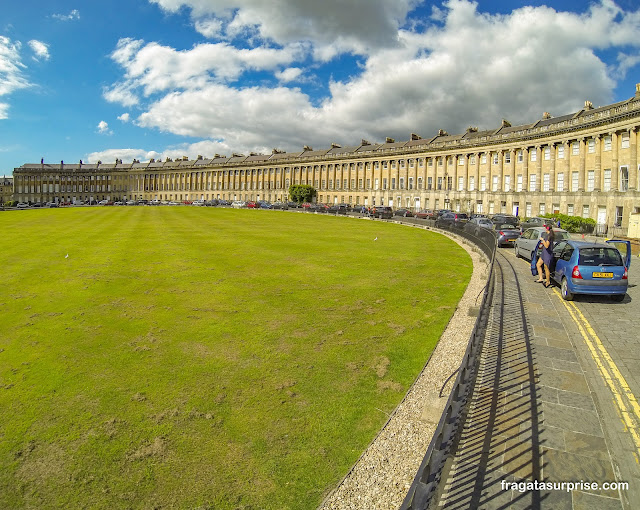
(301, 193)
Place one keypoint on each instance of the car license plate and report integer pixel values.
(602, 275)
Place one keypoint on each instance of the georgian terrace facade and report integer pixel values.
(581, 164)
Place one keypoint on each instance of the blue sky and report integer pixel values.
(169, 78)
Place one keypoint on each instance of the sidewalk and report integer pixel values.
(535, 415)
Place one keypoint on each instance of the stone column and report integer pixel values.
(500, 170)
(538, 168)
(633, 159)
(525, 168)
(581, 169)
(597, 185)
(615, 170)
(552, 167)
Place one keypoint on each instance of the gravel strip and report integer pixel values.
(382, 476)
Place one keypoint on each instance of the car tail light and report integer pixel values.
(576, 272)
(625, 275)
(501, 233)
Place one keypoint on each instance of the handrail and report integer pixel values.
(426, 484)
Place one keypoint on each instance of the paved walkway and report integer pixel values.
(554, 400)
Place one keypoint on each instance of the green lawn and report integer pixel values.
(185, 357)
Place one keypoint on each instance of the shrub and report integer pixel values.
(574, 224)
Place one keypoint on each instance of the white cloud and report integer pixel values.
(289, 74)
(11, 71)
(154, 68)
(332, 26)
(465, 68)
(126, 155)
(74, 14)
(40, 49)
(124, 118)
(103, 128)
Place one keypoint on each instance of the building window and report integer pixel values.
(483, 159)
(606, 185)
(393, 183)
(368, 183)
(472, 183)
(574, 181)
(547, 153)
(419, 182)
(439, 161)
(560, 151)
(624, 178)
(460, 183)
(520, 156)
(479, 206)
(401, 182)
(494, 183)
(519, 183)
(575, 148)
(528, 210)
(495, 158)
(507, 183)
(429, 182)
(507, 157)
(439, 183)
(591, 180)
(546, 182)
(560, 186)
(624, 141)
(410, 182)
(534, 155)
(472, 159)
(384, 183)
(585, 211)
(483, 183)
(460, 160)
(377, 183)
(569, 209)
(542, 208)
(430, 162)
(607, 144)
(492, 207)
(532, 182)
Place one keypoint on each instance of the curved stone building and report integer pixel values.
(581, 164)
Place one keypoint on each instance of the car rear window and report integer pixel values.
(561, 235)
(599, 256)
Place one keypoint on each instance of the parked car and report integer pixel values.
(452, 220)
(424, 214)
(581, 267)
(476, 225)
(405, 213)
(252, 205)
(535, 222)
(198, 203)
(279, 205)
(338, 209)
(506, 233)
(265, 205)
(505, 219)
(320, 208)
(237, 204)
(382, 212)
(526, 243)
(22, 205)
(131, 202)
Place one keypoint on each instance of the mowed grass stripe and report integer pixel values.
(184, 357)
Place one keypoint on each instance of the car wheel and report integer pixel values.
(618, 297)
(564, 290)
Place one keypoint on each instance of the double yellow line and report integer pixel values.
(623, 397)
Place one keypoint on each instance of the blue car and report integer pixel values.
(581, 267)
